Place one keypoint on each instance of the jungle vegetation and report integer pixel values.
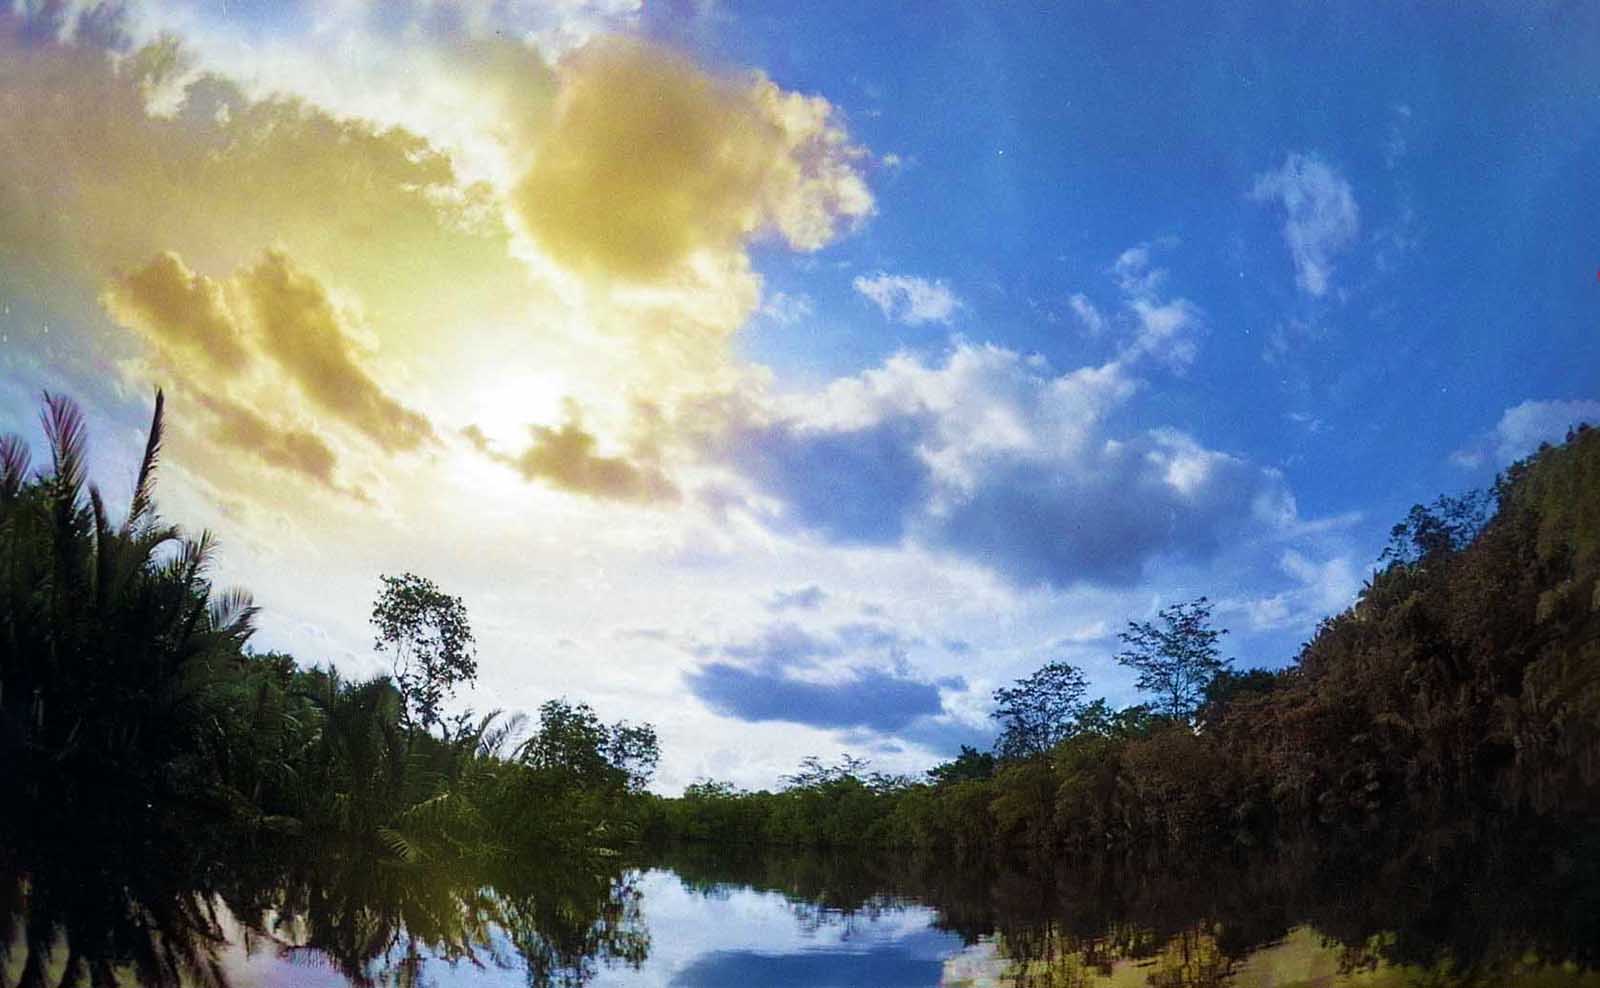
(1460, 693)
(153, 765)
(159, 773)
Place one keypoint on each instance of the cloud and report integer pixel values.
(869, 698)
(909, 300)
(1101, 517)
(994, 459)
(567, 458)
(236, 345)
(1090, 316)
(1164, 327)
(650, 161)
(851, 485)
(1149, 322)
(786, 309)
(136, 181)
(1320, 216)
(183, 313)
(1522, 428)
(287, 448)
(298, 326)
(807, 598)
(779, 675)
(1321, 588)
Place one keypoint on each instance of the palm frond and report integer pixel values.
(232, 614)
(67, 436)
(14, 459)
(104, 545)
(400, 846)
(141, 506)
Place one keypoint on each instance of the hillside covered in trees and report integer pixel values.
(1462, 691)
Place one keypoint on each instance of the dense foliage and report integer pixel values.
(156, 769)
(1461, 691)
(142, 744)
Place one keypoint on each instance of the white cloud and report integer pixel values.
(1321, 588)
(786, 309)
(1156, 325)
(1523, 427)
(908, 299)
(992, 458)
(1092, 318)
(1320, 216)
(1165, 330)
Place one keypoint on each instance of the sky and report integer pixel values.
(793, 377)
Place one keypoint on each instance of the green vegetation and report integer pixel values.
(159, 773)
(1460, 693)
(142, 744)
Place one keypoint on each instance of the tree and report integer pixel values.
(1176, 656)
(429, 642)
(1040, 711)
(971, 765)
(572, 741)
(1448, 525)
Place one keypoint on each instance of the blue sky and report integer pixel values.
(795, 378)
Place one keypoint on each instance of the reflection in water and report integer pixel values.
(161, 914)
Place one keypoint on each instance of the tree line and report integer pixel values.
(1460, 692)
(152, 762)
(143, 744)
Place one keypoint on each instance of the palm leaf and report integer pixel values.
(67, 436)
(14, 459)
(401, 846)
(142, 506)
(232, 614)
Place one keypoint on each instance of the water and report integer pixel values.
(702, 916)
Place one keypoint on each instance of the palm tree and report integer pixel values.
(111, 641)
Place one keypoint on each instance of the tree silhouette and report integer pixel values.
(429, 642)
(1176, 656)
(1039, 711)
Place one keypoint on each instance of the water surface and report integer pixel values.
(701, 916)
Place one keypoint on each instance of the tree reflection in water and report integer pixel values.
(86, 918)
(1441, 911)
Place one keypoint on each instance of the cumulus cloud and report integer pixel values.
(183, 313)
(908, 299)
(650, 160)
(298, 326)
(1320, 216)
(994, 459)
(870, 698)
(264, 330)
(857, 485)
(782, 674)
(1523, 427)
(286, 447)
(567, 458)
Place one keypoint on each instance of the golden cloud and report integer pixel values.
(297, 325)
(296, 450)
(111, 159)
(650, 160)
(147, 182)
(181, 312)
(265, 329)
(567, 458)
